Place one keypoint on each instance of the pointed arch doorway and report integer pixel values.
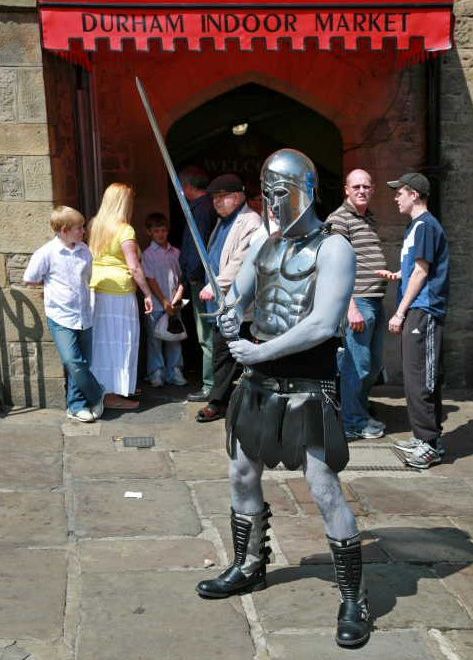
(207, 136)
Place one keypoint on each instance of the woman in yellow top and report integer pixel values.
(116, 271)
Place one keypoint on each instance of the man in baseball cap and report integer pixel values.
(414, 180)
(419, 318)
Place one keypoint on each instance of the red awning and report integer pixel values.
(303, 23)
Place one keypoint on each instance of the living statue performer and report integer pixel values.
(284, 408)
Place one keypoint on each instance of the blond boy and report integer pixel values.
(63, 265)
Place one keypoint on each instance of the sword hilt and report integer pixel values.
(224, 308)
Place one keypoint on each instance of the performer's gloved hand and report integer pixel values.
(229, 323)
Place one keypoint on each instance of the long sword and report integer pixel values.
(199, 244)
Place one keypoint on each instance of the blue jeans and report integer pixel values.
(162, 356)
(360, 363)
(75, 350)
(204, 334)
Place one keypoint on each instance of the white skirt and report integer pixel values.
(116, 337)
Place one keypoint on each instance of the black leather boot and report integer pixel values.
(354, 619)
(248, 571)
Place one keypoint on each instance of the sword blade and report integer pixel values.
(199, 244)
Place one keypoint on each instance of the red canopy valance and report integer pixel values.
(303, 22)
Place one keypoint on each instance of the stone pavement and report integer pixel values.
(89, 574)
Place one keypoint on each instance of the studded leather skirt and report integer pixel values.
(277, 420)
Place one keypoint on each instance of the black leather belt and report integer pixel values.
(291, 385)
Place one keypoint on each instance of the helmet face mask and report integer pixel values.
(288, 182)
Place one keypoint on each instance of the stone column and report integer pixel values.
(456, 154)
(30, 371)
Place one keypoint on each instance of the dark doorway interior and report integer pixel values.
(204, 137)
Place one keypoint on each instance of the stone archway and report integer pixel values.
(204, 136)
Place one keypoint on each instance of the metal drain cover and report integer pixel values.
(140, 442)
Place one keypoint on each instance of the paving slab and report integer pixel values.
(214, 498)
(37, 417)
(410, 596)
(84, 459)
(431, 496)
(152, 615)
(187, 434)
(197, 465)
(462, 643)
(419, 539)
(303, 539)
(165, 508)
(119, 556)
(302, 597)
(29, 437)
(32, 649)
(32, 593)
(458, 579)
(408, 645)
(26, 470)
(157, 412)
(32, 518)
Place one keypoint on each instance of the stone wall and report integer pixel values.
(457, 193)
(30, 371)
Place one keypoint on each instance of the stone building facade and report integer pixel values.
(45, 101)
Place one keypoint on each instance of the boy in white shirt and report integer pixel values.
(63, 266)
(163, 273)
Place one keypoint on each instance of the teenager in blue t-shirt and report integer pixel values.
(419, 318)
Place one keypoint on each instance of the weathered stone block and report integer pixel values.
(38, 182)
(34, 359)
(31, 99)
(19, 39)
(8, 105)
(31, 225)
(11, 187)
(22, 315)
(24, 139)
(36, 392)
(3, 271)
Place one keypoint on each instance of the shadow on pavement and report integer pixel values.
(459, 443)
(415, 554)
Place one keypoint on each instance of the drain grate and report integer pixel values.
(138, 441)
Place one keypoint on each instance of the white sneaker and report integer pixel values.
(157, 380)
(97, 410)
(83, 415)
(411, 445)
(177, 377)
(423, 457)
(376, 423)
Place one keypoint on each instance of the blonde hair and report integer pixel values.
(65, 217)
(116, 209)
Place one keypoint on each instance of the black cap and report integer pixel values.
(414, 180)
(226, 183)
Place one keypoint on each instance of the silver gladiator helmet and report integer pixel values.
(288, 183)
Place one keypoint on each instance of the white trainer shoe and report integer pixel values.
(83, 415)
(157, 380)
(177, 377)
(97, 410)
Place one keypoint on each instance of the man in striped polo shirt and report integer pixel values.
(361, 361)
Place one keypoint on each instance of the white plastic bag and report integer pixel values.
(161, 329)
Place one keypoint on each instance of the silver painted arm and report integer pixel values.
(336, 277)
